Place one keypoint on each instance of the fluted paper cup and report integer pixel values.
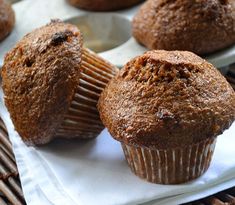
(82, 119)
(170, 166)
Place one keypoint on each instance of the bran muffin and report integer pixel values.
(195, 25)
(167, 108)
(7, 19)
(103, 5)
(52, 84)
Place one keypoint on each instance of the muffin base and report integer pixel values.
(171, 166)
(82, 119)
(103, 5)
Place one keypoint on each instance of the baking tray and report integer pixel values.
(109, 33)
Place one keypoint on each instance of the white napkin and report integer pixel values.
(95, 172)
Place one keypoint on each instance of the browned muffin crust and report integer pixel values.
(40, 76)
(195, 25)
(167, 100)
(7, 19)
(103, 5)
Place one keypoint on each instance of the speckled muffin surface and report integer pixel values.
(167, 100)
(40, 76)
(103, 5)
(7, 19)
(195, 25)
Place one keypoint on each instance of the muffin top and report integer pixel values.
(167, 99)
(195, 25)
(103, 5)
(40, 76)
(7, 19)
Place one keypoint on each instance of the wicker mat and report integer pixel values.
(10, 189)
(11, 192)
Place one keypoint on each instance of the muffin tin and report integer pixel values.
(108, 33)
(130, 48)
(13, 1)
(102, 34)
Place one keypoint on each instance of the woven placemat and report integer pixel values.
(11, 192)
(10, 189)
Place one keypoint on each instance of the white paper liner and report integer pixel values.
(82, 119)
(170, 166)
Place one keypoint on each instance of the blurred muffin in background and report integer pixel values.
(103, 5)
(195, 25)
(7, 19)
(167, 109)
(51, 85)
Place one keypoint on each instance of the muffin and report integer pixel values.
(7, 19)
(199, 26)
(167, 108)
(52, 84)
(103, 5)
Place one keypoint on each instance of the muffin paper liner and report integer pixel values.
(170, 166)
(82, 119)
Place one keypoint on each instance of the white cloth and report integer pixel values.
(95, 172)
